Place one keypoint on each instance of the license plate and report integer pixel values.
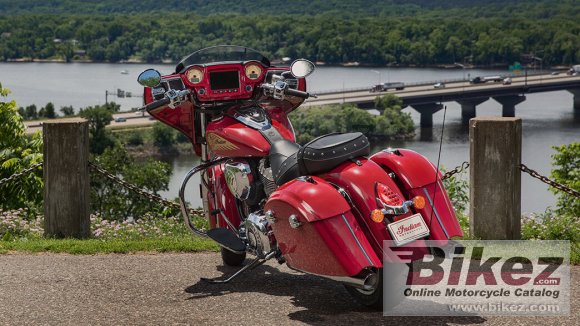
(408, 229)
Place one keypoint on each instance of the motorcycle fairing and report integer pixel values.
(327, 239)
(416, 174)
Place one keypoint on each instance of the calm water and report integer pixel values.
(548, 118)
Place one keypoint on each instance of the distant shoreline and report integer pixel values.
(342, 65)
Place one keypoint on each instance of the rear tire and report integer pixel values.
(231, 258)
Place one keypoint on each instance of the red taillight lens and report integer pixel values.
(388, 196)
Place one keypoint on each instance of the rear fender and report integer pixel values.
(416, 175)
(328, 240)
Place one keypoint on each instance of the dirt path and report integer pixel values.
(165, 289)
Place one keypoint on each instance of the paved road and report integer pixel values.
(165, 289)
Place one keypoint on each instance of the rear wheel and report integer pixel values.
(231, 258)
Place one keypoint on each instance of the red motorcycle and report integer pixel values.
(324, 208)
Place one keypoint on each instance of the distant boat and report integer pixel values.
(125, 72)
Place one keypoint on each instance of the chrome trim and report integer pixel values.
(356, 239)
(183, 203)
(254, 117)
(435, 211)
(364, 283)
(397, 210)
(238, 178)
(294, 222)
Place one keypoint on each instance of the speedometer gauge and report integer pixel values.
(253, 71)
(194, 75)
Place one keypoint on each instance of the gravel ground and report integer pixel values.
(165, 289)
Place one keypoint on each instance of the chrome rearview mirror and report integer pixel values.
(149, 78)
(301, 68)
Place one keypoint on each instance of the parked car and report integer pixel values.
(507, 81)
(439, 85)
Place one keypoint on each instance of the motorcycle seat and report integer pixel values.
(289, 160)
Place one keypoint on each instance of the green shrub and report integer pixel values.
(163, 135)
(135, 139)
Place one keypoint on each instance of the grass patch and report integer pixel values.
(101, 246)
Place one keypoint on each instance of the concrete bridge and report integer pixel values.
(427, 99)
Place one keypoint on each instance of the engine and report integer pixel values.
(256, 232)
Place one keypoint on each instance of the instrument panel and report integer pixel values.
(225, 81)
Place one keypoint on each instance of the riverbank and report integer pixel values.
(278, 62)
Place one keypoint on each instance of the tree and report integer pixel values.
(566, 171)
(67, 110)
(163, 136)
(18, 152)
(114, 202)
(31, 112)
(49, 111)
(99, 117)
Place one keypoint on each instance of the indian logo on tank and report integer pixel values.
(218, 143)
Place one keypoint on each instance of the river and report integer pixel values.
(548, 118)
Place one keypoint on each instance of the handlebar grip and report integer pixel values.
(155, 104)
(295, 92)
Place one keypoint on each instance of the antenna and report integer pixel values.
(437, 170)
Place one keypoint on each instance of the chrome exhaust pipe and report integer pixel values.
(367, 282)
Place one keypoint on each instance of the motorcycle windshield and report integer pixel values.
(221, 53)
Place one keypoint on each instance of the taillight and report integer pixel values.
(387, 195)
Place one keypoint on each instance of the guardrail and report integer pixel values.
(420, 83)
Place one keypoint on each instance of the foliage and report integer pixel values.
(135, 139)
(372, 32)
(316, 121)
(18, 152)
(566, 171)
(458, 191)
(163, 135)
(113, 202)
(47, 111)
(19, 232)
(99, 117)
(551, 226)
(67, 110)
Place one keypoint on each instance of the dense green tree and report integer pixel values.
(114, 202)
(17, 153)
(99, 117)
(67, 110)
(163, 135)
(31, 112)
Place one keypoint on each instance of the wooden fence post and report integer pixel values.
(495, 178)
(66, 178)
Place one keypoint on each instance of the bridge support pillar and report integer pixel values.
(468, 108)
(509, 103)
(427, 110)
(576, 93)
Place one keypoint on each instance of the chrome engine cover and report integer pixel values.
(239, 178)
(256, 232)
(266, 177)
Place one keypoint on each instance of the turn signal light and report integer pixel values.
(419, 202)
(377, 215)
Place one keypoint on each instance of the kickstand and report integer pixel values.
(255, 263)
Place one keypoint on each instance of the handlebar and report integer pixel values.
(295, 92)
(172, 98)
(155, 104)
